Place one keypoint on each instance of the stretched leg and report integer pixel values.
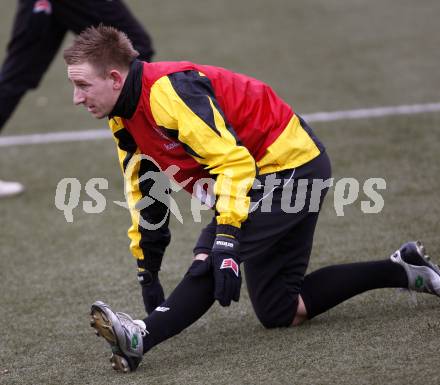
(408, 267)
(187, 303)
(281, 298)
(192, 298)
(329, 286)
(130, 339)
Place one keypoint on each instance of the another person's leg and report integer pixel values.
(34, 41)
(78, 15)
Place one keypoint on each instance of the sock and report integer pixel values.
(192, 298)
(329, 286)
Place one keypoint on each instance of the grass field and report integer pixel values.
(321, 55)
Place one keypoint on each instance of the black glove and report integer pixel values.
(226, 267)
(152, 291)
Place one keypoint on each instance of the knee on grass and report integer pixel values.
(271, 319)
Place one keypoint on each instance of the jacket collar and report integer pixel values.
(131, 91)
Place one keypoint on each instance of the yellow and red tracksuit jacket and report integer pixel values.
(209, 122)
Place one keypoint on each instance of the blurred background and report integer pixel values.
(319, 55)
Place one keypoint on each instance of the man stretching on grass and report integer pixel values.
(197, 121)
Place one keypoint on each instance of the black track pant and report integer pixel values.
(276, 242)
(38, 31)
(276, 245)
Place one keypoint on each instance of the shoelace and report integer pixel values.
(128, 323)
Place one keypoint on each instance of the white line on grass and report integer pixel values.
(53, 137)
(74, 136)
(372, 112)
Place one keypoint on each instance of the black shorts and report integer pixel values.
(276, 239)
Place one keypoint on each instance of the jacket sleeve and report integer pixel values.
(149, 234)
(184, 104)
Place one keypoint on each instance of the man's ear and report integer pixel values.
(118, 79)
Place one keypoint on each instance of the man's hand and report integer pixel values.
(226, 267)
(152, 291)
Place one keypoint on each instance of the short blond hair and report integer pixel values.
(104, 47)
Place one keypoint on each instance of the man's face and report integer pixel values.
(98, 94)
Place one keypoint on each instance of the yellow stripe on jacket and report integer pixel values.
(133, 193)
(216, 148)
(293, 148)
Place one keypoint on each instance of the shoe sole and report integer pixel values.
(104, 328)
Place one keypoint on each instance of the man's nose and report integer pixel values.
(78, 96)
